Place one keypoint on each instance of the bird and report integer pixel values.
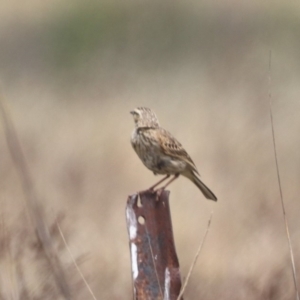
(161, 153)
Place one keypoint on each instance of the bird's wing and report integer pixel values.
(173, 148)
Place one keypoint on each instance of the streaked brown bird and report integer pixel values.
(161, 152)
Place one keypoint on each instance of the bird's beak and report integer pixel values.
(132, 112)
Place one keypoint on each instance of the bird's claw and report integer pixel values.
(158, 193)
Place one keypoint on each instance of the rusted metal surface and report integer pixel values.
(155, 266)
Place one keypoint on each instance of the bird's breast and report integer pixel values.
(141, 143)
(147, 147)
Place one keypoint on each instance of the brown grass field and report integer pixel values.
(71, 71)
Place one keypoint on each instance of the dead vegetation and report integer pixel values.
(73, 123)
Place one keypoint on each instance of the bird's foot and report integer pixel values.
(151, 190)
(158, 193)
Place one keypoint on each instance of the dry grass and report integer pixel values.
(211, 92)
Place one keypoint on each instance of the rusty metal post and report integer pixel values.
(154, 263)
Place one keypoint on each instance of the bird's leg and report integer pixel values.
(160, 190)
(156, 184)
(170, 181)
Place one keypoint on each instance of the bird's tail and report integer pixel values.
(203, 188)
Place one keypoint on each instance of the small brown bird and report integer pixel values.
(161, 152)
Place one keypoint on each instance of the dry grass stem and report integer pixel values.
(75, 263)
(279, 184)
(195, 258)
(32, 201)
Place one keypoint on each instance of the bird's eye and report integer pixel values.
(134, 113)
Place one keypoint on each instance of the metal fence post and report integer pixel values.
(154, 263)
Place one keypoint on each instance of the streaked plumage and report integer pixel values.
(161, 152)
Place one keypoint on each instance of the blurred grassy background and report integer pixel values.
(71, 72)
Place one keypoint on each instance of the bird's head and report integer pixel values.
(144, 117)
